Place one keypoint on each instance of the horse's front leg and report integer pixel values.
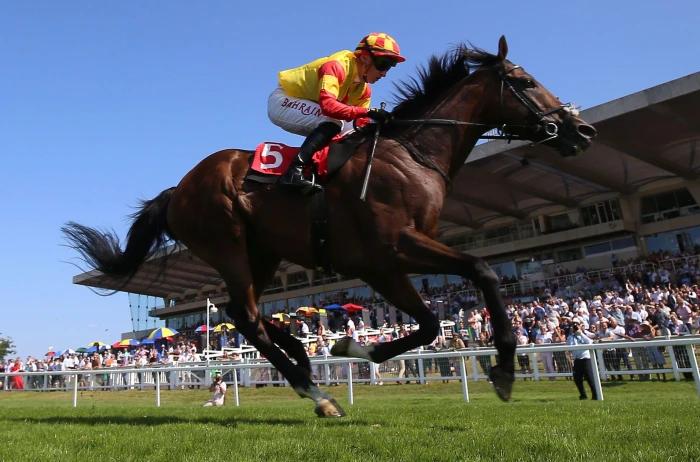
(418, 253)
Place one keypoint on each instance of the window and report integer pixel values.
(667, 205)
(601, 212)
(427, 282)
(680, 240)
(274, 307)
(454, 241)
(359, 293)
(594, 249)
(684, 198)
(297, 280)
(569, 255)
(499, 235)
(560, 222)
(321, 277)
(274, 287)
(505, 269)
(526, 230)
(296, 302)
(589, 216)
(624, 243)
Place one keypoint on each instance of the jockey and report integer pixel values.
(321, 99)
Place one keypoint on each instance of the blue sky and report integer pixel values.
(104, 103)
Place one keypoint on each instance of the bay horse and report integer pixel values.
(244, 234)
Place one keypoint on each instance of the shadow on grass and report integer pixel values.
(614, 384)
(170, 420)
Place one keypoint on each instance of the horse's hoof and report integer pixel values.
(502, 382)
(328, 407)
(342, 347)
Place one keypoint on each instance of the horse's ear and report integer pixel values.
(502, 48)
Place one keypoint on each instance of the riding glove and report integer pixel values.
(379, 115)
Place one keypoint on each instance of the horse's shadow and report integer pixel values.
(223, 421)
(612, 384)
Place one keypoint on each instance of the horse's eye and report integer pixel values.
(529, 83)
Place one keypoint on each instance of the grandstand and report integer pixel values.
(530, 213)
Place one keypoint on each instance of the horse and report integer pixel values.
(244, 233)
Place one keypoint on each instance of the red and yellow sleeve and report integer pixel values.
(331, 76)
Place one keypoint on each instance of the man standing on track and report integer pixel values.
(582, 359)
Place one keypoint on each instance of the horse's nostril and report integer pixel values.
(587, 131)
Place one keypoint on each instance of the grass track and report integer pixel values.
(637, 422)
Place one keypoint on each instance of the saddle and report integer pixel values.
(270, 160)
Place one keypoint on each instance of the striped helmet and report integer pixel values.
(381, 44)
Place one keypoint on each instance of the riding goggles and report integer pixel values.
(383, 63)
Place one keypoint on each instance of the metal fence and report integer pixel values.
(667, 359)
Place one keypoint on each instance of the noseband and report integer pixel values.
(550, 127)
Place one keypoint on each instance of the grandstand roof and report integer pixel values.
(643, 138)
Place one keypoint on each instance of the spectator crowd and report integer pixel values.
(641, 299)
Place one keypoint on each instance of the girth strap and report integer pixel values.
(319, 231)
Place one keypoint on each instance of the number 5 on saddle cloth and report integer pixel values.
(270, 160)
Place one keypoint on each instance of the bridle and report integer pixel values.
(543, 121)
(551, 128)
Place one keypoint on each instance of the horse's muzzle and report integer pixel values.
(576, 138)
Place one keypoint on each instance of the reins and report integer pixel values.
(502, 133)
(428, 161)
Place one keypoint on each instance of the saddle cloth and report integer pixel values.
(273, 159)
(270, 160)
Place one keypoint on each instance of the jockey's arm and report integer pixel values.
(331, 75)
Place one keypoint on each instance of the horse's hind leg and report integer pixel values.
(289, 344)
(233, 265)
(262, 270)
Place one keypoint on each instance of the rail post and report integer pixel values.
(596, 376)
(351, 398)
(421, 369)
(694, 367)
(463, 372)
(235, 387)
(157, 388)
(674, 362)
(75, 390)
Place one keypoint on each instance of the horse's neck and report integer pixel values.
(449, 145)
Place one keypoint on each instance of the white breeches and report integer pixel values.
(299, 116)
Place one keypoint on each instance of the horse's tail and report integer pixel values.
(102, 251)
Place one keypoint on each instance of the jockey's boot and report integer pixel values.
(317, 140)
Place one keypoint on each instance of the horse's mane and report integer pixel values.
(416, 95)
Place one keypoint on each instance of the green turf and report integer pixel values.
(637, 422)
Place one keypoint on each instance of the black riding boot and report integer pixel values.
(317, 139)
